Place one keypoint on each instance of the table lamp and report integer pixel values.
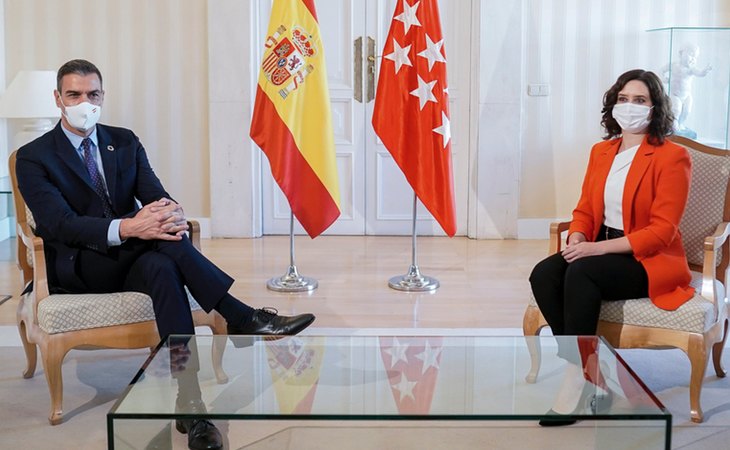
(30, 97)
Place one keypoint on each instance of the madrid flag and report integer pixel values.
(291, 120)
(411, 113)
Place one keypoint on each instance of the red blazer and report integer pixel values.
(654, 199)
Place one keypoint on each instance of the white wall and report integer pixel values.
(498, 88)
(153, 57)
(170, 75)
(6, 224)
(234, 160)
(579, 48)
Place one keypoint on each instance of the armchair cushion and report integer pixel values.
(695, 316)
(60, 313)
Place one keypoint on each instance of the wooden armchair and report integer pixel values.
(57, 323)
(700, 324)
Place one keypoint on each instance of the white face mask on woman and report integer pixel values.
(83, 116)
(632, 118)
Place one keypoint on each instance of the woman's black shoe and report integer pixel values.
(553, 419)
(589, 403)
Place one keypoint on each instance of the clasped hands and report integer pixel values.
(579, 247)
(162, 219)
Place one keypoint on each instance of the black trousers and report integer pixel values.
(570, 295)
(160, 269)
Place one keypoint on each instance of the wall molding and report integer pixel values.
(536, 228)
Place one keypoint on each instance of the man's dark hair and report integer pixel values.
(79, 67)
(662, 119)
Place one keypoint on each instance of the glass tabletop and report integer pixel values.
(381, 378)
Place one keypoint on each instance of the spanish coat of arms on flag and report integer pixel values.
(291, 121)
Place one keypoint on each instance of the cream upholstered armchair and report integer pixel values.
(698, 326)
(57, 323)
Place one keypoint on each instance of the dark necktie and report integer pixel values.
(96, 179)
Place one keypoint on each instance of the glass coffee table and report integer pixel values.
(358, 392)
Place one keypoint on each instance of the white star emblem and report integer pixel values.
(429, 356)
(445, 128)
(408, 16)
(423, 92)
(405, 387)
(433, 52)
(399, 56)
(397, 352)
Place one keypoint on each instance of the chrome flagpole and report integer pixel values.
(291, 281)
(413, 281)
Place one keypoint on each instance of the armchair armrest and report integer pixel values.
(709, 265)
(194, 232)
(556, 229)
(40, 279)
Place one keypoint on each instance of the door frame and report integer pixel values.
(235, 161)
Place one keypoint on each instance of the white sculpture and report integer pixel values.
(679, 75)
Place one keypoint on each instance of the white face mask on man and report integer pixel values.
(632, 118)
(83, 116)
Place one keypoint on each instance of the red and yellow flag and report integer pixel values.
(291, 121)
(295, 365)
(411, 113)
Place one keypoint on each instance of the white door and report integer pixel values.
(374, 195)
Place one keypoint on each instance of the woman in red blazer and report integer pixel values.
(624, 240)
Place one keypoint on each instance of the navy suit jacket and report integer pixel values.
(68, 213)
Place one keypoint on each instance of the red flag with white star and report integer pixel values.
(412, 365)
(411, 114)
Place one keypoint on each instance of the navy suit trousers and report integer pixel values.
(160, 269)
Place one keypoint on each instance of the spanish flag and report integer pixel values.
(291, 120)
(295, 366)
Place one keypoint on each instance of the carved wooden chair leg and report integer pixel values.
(31, 351)
(717, 353)
(219, 345)
(52, 356)
(531, 328)
(698, 352)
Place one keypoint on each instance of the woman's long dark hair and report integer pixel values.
(662, 119)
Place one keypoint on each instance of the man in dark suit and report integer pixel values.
(84, 183)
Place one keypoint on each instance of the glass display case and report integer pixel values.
(696, 73)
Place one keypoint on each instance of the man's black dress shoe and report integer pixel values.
(266, 321)
(202, 434)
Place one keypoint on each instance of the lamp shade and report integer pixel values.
(30, 96)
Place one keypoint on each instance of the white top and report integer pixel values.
(613, 193)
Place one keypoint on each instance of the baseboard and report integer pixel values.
(7, 227)
(204, 226)
(535, 228)
(526, 228)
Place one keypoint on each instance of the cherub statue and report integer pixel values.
(679, 75)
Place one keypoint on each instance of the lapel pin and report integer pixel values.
(110, 148)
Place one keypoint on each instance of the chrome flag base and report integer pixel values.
(413, 281)
(292, 282)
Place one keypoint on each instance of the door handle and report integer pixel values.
(357, 54)
(371, 69)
